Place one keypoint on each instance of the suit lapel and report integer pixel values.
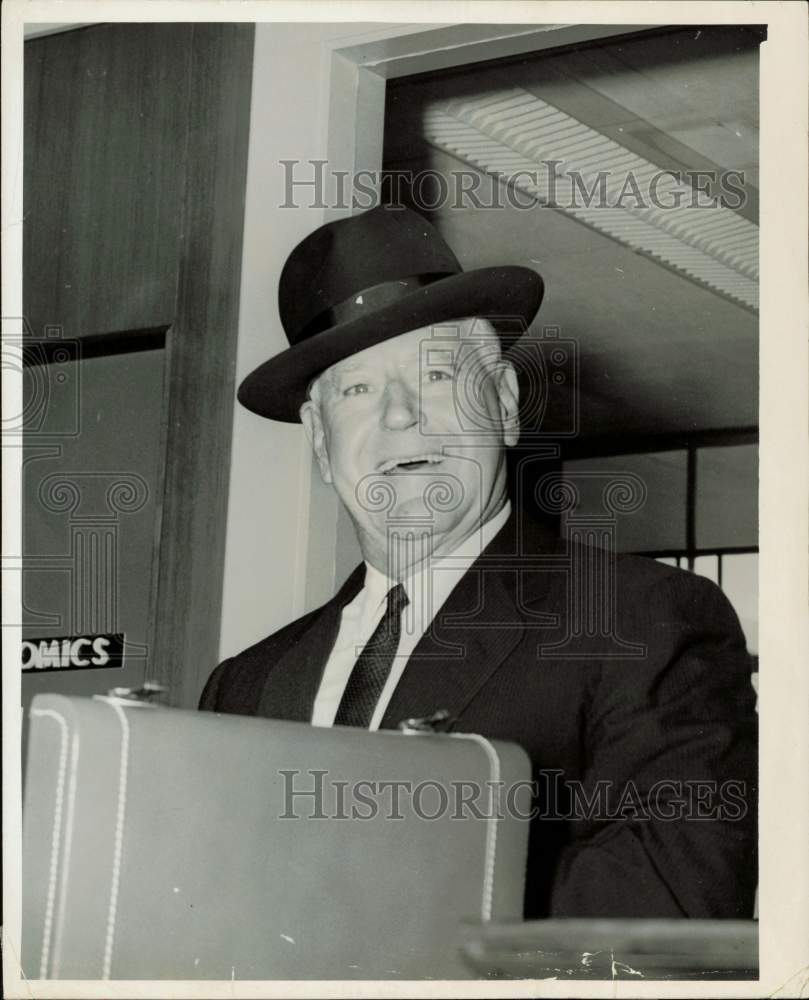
(456, 657)
(292, 683)
(480, 624)
(473, 634)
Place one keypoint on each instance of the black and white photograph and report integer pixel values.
(405, 499)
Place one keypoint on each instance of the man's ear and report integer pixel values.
(313, 425)
(508, 395)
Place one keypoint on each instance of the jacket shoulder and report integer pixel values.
(694, 595)
(237, 683)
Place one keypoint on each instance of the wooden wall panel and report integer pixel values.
(203, 361)
(105, 145)
(136, 142)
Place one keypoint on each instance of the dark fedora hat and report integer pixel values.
(362, 280)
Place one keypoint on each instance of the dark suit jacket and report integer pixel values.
(640, 726)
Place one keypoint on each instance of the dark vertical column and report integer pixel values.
(691, 505)
(201, 373)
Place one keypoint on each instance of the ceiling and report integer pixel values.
(660, 350)
(37, 30)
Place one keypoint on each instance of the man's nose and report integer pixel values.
(401, 406)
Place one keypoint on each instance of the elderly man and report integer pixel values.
(643, 746)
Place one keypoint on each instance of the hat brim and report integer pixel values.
(507, 296)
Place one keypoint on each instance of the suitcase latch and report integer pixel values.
(438, 722)
(144, 694)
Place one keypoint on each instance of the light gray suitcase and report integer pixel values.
(161, 843)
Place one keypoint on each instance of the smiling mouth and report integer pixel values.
(409, 464)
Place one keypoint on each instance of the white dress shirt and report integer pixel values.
(426, 590)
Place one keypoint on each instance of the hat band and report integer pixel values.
(369, 300)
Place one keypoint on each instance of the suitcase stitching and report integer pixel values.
(56, 835)
(491, 822)
(66, 853)
(120, 817)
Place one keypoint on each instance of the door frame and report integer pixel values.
(356, 71)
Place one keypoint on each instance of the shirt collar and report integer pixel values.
(445, 571)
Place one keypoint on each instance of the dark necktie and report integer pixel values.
(373, 665)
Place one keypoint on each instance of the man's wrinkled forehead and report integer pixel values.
(437, 344)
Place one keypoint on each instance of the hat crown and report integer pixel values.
(341, 259)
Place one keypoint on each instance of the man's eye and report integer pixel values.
(356, 389)
(439, 375)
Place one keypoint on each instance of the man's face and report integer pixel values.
(413, 431)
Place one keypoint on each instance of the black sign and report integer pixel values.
(73, 652)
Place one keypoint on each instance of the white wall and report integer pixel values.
(284, 532)
(280, 543)
(270, 465)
